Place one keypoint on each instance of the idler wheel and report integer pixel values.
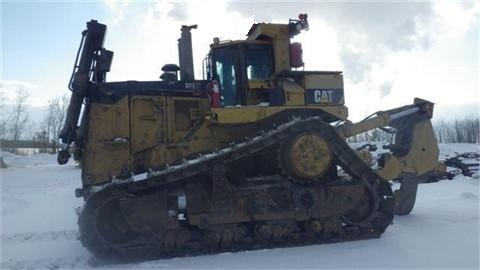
(363, 210)
(112, 225)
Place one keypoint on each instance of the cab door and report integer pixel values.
(226, 70)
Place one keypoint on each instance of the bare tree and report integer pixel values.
(60, 114)
(3, 113)
(41, 140)
(49, 120)
(19, 116)
(473, 129)
(57, 109)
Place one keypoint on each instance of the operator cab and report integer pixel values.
(238, 67)
(251, 71)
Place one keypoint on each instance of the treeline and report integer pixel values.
(17, 130)
(466, 130)
(375, 135)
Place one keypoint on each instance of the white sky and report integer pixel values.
(390, 52)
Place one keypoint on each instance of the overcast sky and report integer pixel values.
(390, 52)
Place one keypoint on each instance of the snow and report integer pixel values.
(38, 228)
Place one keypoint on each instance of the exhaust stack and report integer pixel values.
(185, 53)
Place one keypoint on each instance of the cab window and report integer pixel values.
(259, 62)
(225, 71)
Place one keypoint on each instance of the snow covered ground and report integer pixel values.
(38, 228)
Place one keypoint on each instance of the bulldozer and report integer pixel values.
(253, 155)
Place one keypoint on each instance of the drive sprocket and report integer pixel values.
(305, 158)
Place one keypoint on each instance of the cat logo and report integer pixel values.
(323, 96)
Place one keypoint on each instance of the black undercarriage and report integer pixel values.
(200, 206)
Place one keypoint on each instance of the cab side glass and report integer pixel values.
(258, 61)
(225, 70)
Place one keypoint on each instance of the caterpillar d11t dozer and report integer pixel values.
(253, 155)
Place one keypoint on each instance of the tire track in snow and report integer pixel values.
(39, 236)
(79, 262)
(11, 204)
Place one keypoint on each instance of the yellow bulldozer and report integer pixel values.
(253, 155)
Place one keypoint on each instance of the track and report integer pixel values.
(468, 162)
(187, 239)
